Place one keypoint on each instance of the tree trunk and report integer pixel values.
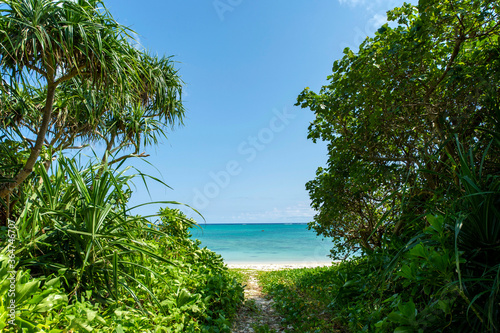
(7, 188)
(5, 212)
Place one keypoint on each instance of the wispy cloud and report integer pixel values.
(300, 212)
(136, 41)
(351, 3)
(372, 4)
(378, 20)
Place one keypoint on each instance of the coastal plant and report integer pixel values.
(422, 278)
(115, 269)
(451, 266)
(477, 236)
(34, 299)
(13, 155)
(435, 70)
(176, 225)
(412, 176)
(302, 297)
(445, 271)
(70, 73)
(79, 223)
(72, 76)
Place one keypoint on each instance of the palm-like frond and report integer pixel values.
(480, 206)
(79, 222)
(75, 75)
(477, 236)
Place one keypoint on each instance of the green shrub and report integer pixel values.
(111, 271)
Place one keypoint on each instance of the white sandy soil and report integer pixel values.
(278, 266)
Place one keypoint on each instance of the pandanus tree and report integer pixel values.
(71, 75)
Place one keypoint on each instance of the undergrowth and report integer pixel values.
(78, 261)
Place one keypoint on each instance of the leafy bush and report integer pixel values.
(112, 271)
(413, 173)
(414, 289)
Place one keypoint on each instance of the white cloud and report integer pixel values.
(374, 5)
(351, 3)
(378, 20)
(300, 212)
(136, 41)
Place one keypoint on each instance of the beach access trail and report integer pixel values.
(257, 310)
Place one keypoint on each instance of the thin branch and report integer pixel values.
(487, 33)
(36, 69)
(77, 147)
(31, 129)
(100, 135)
(68, 146)
(74, 72)
(128, 156)
(456, 50)
(31, 141)
(122, 145)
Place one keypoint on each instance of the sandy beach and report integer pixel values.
(277, 266)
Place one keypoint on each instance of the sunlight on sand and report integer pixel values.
(278, 266)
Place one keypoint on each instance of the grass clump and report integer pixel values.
(303, 297)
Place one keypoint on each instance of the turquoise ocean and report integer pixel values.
(263, 243)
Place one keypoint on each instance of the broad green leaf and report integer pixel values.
(51, 303)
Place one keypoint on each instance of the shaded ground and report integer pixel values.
(257, 314)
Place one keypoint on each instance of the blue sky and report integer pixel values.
(243, 155)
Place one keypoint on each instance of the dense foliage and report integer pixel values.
(393, 113)
(85, 263)
(417, 293)
(70, 75)
(74, 257)
(413, 180)
(413, 174)
(415, 290)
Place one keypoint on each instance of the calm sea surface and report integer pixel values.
(263, 243)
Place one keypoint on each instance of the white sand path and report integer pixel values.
(257, 310)
(278, 266)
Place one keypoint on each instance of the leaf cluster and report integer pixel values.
(390, 115)
(412, 176)
(71, 76)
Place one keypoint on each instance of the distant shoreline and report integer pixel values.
(278, 266)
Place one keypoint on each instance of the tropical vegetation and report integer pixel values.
(75, 256)
(412, 178)
(410, 193)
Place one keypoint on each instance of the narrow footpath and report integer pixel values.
(256, 314)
